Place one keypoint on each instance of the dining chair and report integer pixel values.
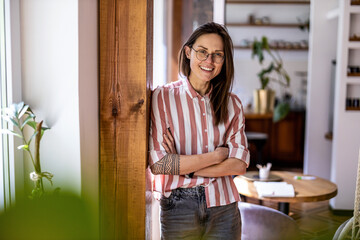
(264, 223)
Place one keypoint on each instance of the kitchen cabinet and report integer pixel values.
(285, 144)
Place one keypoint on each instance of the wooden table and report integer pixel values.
(315, 190)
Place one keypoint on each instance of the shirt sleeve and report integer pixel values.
(237, 141)
(157, 127)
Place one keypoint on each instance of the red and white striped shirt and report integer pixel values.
(190, 118)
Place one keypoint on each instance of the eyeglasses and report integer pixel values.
(202, 55)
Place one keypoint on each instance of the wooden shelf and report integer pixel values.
(355, 3)
(278, 25)
(280, 49)
(352, 108)
(267, 2)
(353, 74)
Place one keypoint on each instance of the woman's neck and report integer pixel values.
(202, 88)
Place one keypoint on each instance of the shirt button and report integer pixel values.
(205, 130)
(203, 114)
(206, 146)
(202, 99)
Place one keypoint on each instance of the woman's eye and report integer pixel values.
(219, 55)
(203, 52)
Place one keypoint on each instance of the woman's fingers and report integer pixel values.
(169, 142)
(170, 135)
(167, 149)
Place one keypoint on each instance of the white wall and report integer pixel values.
(50, 81)
(159, 41)
(317, 156)
(346, 143)
(59, 81)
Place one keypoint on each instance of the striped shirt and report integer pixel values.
(190, 118)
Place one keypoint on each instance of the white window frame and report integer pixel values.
(13, 185)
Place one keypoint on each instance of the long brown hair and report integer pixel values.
(222, 83)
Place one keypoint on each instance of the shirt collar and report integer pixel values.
(193, 93)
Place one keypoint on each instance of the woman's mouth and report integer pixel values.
(208, 69)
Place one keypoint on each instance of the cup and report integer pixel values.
(264, 173)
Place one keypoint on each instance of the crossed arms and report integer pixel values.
(212, 164)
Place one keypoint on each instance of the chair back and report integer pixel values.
(264, 223)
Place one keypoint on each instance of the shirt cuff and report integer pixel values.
(240, 153)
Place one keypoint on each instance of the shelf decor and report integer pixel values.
(264, 98)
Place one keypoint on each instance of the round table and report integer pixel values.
(315, 190)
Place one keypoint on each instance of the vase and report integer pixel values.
(264, 101)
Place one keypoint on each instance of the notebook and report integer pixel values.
(274, 189)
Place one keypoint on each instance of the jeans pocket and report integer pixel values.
(166, 204)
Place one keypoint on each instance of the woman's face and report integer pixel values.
(202, 71)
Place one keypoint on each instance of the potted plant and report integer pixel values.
(264, 98)
(20, 116)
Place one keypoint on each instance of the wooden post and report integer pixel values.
(125, 83)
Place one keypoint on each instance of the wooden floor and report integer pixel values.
(315, 219)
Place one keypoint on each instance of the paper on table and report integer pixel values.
(274, 189)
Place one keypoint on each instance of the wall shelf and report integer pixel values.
(354, 44)
(353, 74)
(354, 9)
(352, 109)
(267, 2)
(279, 49)
(355, 2)
(277, 25)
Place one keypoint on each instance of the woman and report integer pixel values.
(197, 141)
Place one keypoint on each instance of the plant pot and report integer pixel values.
(264, 101)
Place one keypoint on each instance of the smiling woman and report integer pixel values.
(197, 141)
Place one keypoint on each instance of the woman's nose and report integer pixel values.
(209, 59)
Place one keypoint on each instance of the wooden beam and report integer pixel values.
(125, 83)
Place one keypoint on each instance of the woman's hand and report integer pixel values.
(222, 153)
(169, 143)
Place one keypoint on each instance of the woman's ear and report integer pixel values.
(187, 52)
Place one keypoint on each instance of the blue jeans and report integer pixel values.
(184, 215)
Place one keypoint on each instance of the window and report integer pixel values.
(4, 161)
(10, 72)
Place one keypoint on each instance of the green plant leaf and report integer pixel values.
(43, 129)
(257, 50)
(27, 119)
(11, 120)
(23, 111)
(287, 79)
(32, 136)
(7, 131)
(18, 108)
(265, 43)
(280, 112)
(264, 82)
(32, 124)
